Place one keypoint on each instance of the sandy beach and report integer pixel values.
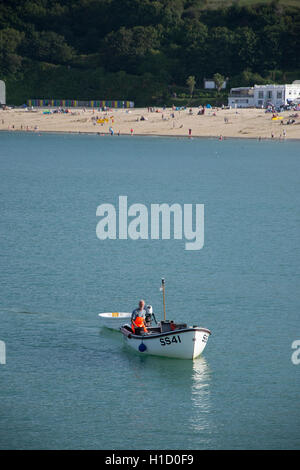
(216, 122)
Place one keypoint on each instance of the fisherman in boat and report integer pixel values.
(138, 318)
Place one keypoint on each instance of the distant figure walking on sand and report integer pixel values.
(190, 132)
(131, 131)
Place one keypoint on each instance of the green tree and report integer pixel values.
(191, 82)
(125, 48)
(245, 46)
(48, 46)
(10, 61)
(220, 51)
(10, 39)
(219, 80)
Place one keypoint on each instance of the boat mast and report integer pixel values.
(164, 297)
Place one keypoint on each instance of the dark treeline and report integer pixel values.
(140, 50)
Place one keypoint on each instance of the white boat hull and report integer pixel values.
(186, 343)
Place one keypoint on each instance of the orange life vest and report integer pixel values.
(139, 323)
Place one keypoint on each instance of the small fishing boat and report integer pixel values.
(166, 338)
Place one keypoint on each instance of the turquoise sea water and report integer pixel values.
(70, 383)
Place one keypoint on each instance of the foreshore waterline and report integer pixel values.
(174, 136)
(216, 123)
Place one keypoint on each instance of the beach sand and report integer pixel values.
(216, 122)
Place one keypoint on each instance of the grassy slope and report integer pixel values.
(18, 92)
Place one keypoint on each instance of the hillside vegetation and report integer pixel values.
(143, 50)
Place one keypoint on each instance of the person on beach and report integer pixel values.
(190, 132)
(131, 131)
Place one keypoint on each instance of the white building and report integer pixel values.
(209, 84)
(242, 97)
(2, 92)
(260, 96)
(278, 95)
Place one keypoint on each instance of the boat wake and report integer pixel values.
(21, 311)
